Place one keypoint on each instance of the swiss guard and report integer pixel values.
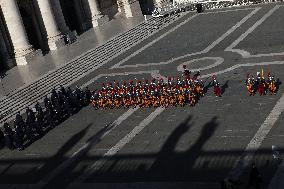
(261, 85)
(186, 72)
(217, 88)
(250, 83)
(272, 86)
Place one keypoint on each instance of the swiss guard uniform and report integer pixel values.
(186, 72)
(261, 85)
(216, 84)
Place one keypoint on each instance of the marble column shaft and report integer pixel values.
(16, 30)
(95, 16)
(51, 27)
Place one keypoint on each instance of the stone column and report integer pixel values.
(159, 3)
(95, 17)
(53, 34)
(17, 32)
(131, 8)
(61, 20)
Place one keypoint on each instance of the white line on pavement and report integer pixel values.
(218, 61)
(244, 53)
(84, 149)
(243, 65)
(157, 75)
(153, 42)
(256, 141)
(98, 164)
(206, 50)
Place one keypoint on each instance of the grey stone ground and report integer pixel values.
(191, 147)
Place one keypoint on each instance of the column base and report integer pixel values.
(100, 21)
(97, 21)
(25, 59)
(131, 9)
(56, 42)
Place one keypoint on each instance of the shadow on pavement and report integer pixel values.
(168, 165)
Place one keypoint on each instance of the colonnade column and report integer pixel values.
(130, 8)
(96, 18)
(53, 34)
(159, 3)
(61, 20)
(18, 35)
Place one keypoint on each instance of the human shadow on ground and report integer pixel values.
(166, 166)
(224, 87)
(58, 158)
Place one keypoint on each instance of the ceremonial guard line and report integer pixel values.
(261, 85)
(63, 103)
(156, 93)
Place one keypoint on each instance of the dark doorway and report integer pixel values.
(147, 6)
(69, 13)
(30, 28)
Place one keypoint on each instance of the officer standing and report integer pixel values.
(18, 141)
(88, 96)
(8, 134)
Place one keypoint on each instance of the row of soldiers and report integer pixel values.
(262, 85)
(156, 93)
(38, 120)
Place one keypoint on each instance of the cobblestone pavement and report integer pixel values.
(191, 147)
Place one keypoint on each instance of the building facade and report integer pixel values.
(30, 27)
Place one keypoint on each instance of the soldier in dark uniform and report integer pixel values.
(62, 90)
(8, 135)
(67, 108)
(88, 95)
(19, 143)
(50, 118)
(57, 110)
(75, 102)
(30, 128)
(19, 121)
(53, 96)
(80, 96)
(68, 92)
(30, 114)
(19, 129)
(2, 139)
(199, 8)
(47, 102)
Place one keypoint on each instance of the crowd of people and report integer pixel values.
(262, 85)
(38, 120)
(145, 94)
